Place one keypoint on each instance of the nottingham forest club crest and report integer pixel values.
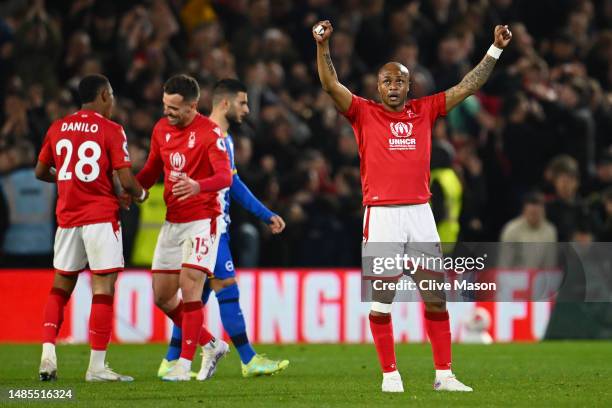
(401, 139)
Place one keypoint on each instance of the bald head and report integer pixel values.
(394, 68)
(393, 85)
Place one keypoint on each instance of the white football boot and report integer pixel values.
(48, 369)
(392, 382)
(178, 373)
(212, 352)
(451, 383)
(105, 375)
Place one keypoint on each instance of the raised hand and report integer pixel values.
(502, 36)
(322, 37)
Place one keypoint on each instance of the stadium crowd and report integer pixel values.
(538, 134)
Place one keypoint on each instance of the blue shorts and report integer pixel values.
(224, 268)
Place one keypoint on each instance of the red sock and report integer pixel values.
(53, 315)
(193, 317)
(438, 330)
(176, 315)
(382, 331)
(205, 335)
(100, 321)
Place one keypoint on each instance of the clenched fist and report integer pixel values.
(502, 36)
(322, 37)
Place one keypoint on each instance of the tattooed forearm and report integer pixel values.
(479, 75)
(330, 65)
(329, 79)
(470, 83)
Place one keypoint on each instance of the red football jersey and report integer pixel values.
(395, 148)
(84, 148)
(185, 151)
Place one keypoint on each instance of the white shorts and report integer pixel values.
(100, 245)
(393, 230)
(189, 244)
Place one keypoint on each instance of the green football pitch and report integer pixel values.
(572, 374)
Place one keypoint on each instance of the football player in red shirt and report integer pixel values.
(80, 153)
(189, 149)
(394, 141)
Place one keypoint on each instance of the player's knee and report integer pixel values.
(103, 284)
(65, 282)
(159, 299)
(162, 297)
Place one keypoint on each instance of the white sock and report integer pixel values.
(48, 351)
(185, 363)
(96, 360)
(442, 374)
(391, 374)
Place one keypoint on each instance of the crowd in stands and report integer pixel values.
(538, 134)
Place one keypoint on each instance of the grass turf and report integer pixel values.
(545, 374)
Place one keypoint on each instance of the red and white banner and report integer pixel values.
(279, 305)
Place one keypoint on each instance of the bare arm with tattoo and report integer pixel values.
(327, 74)
(476, 78)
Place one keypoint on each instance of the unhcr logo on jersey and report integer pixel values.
(401, 139)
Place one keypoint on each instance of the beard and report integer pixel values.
(233, 118)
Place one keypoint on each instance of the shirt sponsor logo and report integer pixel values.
(191, 142)
(167, 137)
(177, 162)
(401, 140)
(401, 129)
(79, 127)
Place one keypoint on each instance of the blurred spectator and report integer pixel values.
(567, 210)
(473, 206)
(605, 235)
(530, 227)
(447, 191)
(30, 207)
(38, 47)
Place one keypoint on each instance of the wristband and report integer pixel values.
(143, 195)
(494, 51)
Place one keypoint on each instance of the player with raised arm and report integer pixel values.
(189, 149)
(394, 140)
(79, 153)
(230, 105)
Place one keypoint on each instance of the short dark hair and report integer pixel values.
(90, 86)
(534, 197)
(227, 86)
(184, 85)
(563, 164)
